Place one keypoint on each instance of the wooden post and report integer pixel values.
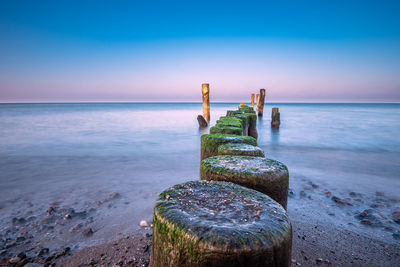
(275, 118)
(257, 100)
(260, 104)
(252, 100)
(206, 101)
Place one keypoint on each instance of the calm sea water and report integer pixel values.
(77, 154)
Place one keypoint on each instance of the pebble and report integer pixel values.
(18, 220)
(50, 210)
(88, 232)
(114, 195)
(43, 251)
(143, 223)
(21, 255)
(63, 252)
(92, 262)
(33, 265)
(76, 227)
(366, 221)
(338, 200)
(14, 260)
(396, 236)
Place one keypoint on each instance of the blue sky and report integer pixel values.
(326, 51)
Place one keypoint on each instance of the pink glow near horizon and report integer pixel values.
(288, 74)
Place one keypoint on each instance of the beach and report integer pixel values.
(83, 176)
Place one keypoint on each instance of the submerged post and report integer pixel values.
(206, 101)
(275, 118)
(260, 104)
(252, 100)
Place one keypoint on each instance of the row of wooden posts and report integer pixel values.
(235, 215)
(260, 101)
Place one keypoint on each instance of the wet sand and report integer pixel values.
(313, 244)
(331, 226)
(315, 241)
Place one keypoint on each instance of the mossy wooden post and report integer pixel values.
(257, 100)
(252, 130)
(275, 118)
(267, 176)
(260, 104)
(252, 100)
(211, 142)
(202, 223)
(232, 122)
(240, 150)
(206, 101)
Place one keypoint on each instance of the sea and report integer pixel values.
(109, 161)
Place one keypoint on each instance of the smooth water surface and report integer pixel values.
(76, 155)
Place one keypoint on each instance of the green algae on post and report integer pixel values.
(231, 121)
(211, 142)
(232, 112)
(240, 150)
(249, 121)
(203, 223)
(268, 176)
(223, 129)
(246, 109)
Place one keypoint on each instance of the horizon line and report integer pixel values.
(198, 102)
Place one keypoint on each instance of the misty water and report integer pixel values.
(109, 162)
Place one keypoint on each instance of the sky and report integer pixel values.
(299, 51)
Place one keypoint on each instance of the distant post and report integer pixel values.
(206, 101)
(275, 118)
(260, 104)
(252, 100)
(257, 100)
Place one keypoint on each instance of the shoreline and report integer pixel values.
(311, 246)
(316, 241)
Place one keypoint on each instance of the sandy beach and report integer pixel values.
(314, 244)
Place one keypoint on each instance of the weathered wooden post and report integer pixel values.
(252, 100)
(257, 100)
(202, 122)
(267, 176)
(206, 101)
(260, 104)
(275, 118)
(203, 223)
